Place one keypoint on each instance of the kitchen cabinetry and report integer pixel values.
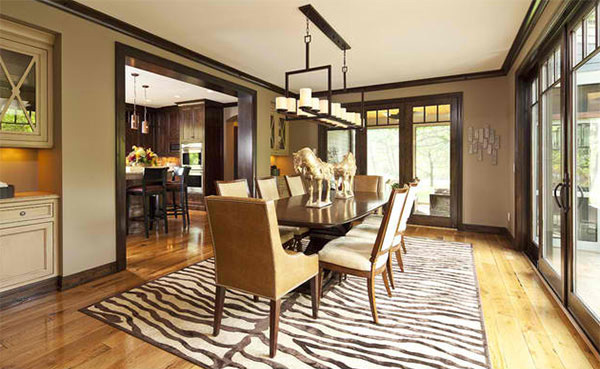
(26, 93)
(28, 239)
(167, 131)
(191, 123)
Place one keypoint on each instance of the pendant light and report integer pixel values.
(135, 121)
(145, 124)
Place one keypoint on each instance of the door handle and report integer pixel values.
(556, 197)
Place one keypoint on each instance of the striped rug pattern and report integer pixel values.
(433, 320)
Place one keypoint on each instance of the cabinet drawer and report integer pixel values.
(26, 212)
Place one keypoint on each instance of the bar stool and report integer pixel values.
(154, 183)
(179, 184)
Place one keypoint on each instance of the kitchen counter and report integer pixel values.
(30, 196)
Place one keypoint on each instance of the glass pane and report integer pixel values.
(432, 166)
(371, 118)
(590, 28)
(15, 119)
(383, 152)
(586, 189)
(444, 113)
(551, 69)
(535, 193)
(578, 45)
(552, 161)
(418, 114)
(557, 63)
(544, 76)
(16, 63)
(431, 113)
(394, 117)
(382, 117)
(338, 145)
(534, 91)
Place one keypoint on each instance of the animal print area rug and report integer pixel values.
(433, 320)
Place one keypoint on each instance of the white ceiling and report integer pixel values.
(391, 40)
(166, 91)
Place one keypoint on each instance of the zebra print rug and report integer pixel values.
(433, 320)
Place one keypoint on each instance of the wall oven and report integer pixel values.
(191, 156)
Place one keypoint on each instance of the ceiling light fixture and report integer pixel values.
(145, 124)
(307, 107)
(135, 119)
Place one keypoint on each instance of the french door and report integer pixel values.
(564, 116)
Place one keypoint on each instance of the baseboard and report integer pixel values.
(26, 293)
(85, 276)
(483, 229)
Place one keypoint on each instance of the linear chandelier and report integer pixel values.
(307, 107)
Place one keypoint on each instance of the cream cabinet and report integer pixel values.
(28, 239)
(26, 71)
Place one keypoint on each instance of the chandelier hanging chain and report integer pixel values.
(307, 40)
(344, 69)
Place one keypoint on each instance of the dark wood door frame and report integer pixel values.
(456, 99)
(247, 122)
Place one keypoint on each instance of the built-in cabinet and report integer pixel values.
(26, 68)
(191, 123)
(28, 239)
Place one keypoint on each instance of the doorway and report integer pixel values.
(212, 135)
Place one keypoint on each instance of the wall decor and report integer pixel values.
(279, 133)
(483, 142)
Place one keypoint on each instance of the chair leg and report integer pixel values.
(219, 301)
(314, 294)
(164, 211)
(320, 283)
(182, 204)
(390, 271)
(274, 326)
(127, 201)
(371, 287)
(174, 204)
(399, 259)
(187, 207)
(403, 244)
(145, 200)
(255, 298)
(386, 282)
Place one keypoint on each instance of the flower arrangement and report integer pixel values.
(142, 157)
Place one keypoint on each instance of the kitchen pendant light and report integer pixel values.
(135, 119)
(145, 124)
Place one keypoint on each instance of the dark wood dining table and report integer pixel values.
(330, 221)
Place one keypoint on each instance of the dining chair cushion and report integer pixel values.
(297, 231)
(295, 185)
(350, 252)
(364, 183)
(267, 188)
(285, 235)
(233, 188)
(138, 190)
(369, 232)
(373, 219)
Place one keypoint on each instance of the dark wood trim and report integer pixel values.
(480, 228)
(74, 280)
(230, 105)
(247, 122)
(103, 19)
(28, 292)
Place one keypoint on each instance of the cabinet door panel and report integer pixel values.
(26, 254)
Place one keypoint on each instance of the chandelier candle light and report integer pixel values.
(135, 119)
(145, 124)
(307, 107)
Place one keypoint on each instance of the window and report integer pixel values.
(535, 214)
(339, 143)
(383, 152)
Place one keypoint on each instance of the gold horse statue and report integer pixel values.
(313, 169)
(345, 171)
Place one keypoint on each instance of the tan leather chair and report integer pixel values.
(363, 183)
(267, 189)
(239, 188)
(295, 185)
(249, 257)
(365, 257)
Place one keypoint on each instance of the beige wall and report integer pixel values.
(88, 135)
(228, 142)
(19, 167)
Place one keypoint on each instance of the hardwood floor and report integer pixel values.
(525, 327)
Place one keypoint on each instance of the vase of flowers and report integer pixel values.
(141, 157)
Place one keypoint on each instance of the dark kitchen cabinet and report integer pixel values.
(167, 131)
(191, 120)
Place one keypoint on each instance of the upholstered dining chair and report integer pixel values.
(295, 185)
(249, 257)
(364, 257)
(239, 188)
(267, 189)
(364, 183)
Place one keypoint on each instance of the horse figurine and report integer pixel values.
(345, 171)
(313, 169)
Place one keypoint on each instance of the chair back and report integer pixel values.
(295, 185)
(246, 243)
(390, 222)
(235, 188)
(154, 177)
(267, 188)
(363, 183)
(413, 190)
(182, 174)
